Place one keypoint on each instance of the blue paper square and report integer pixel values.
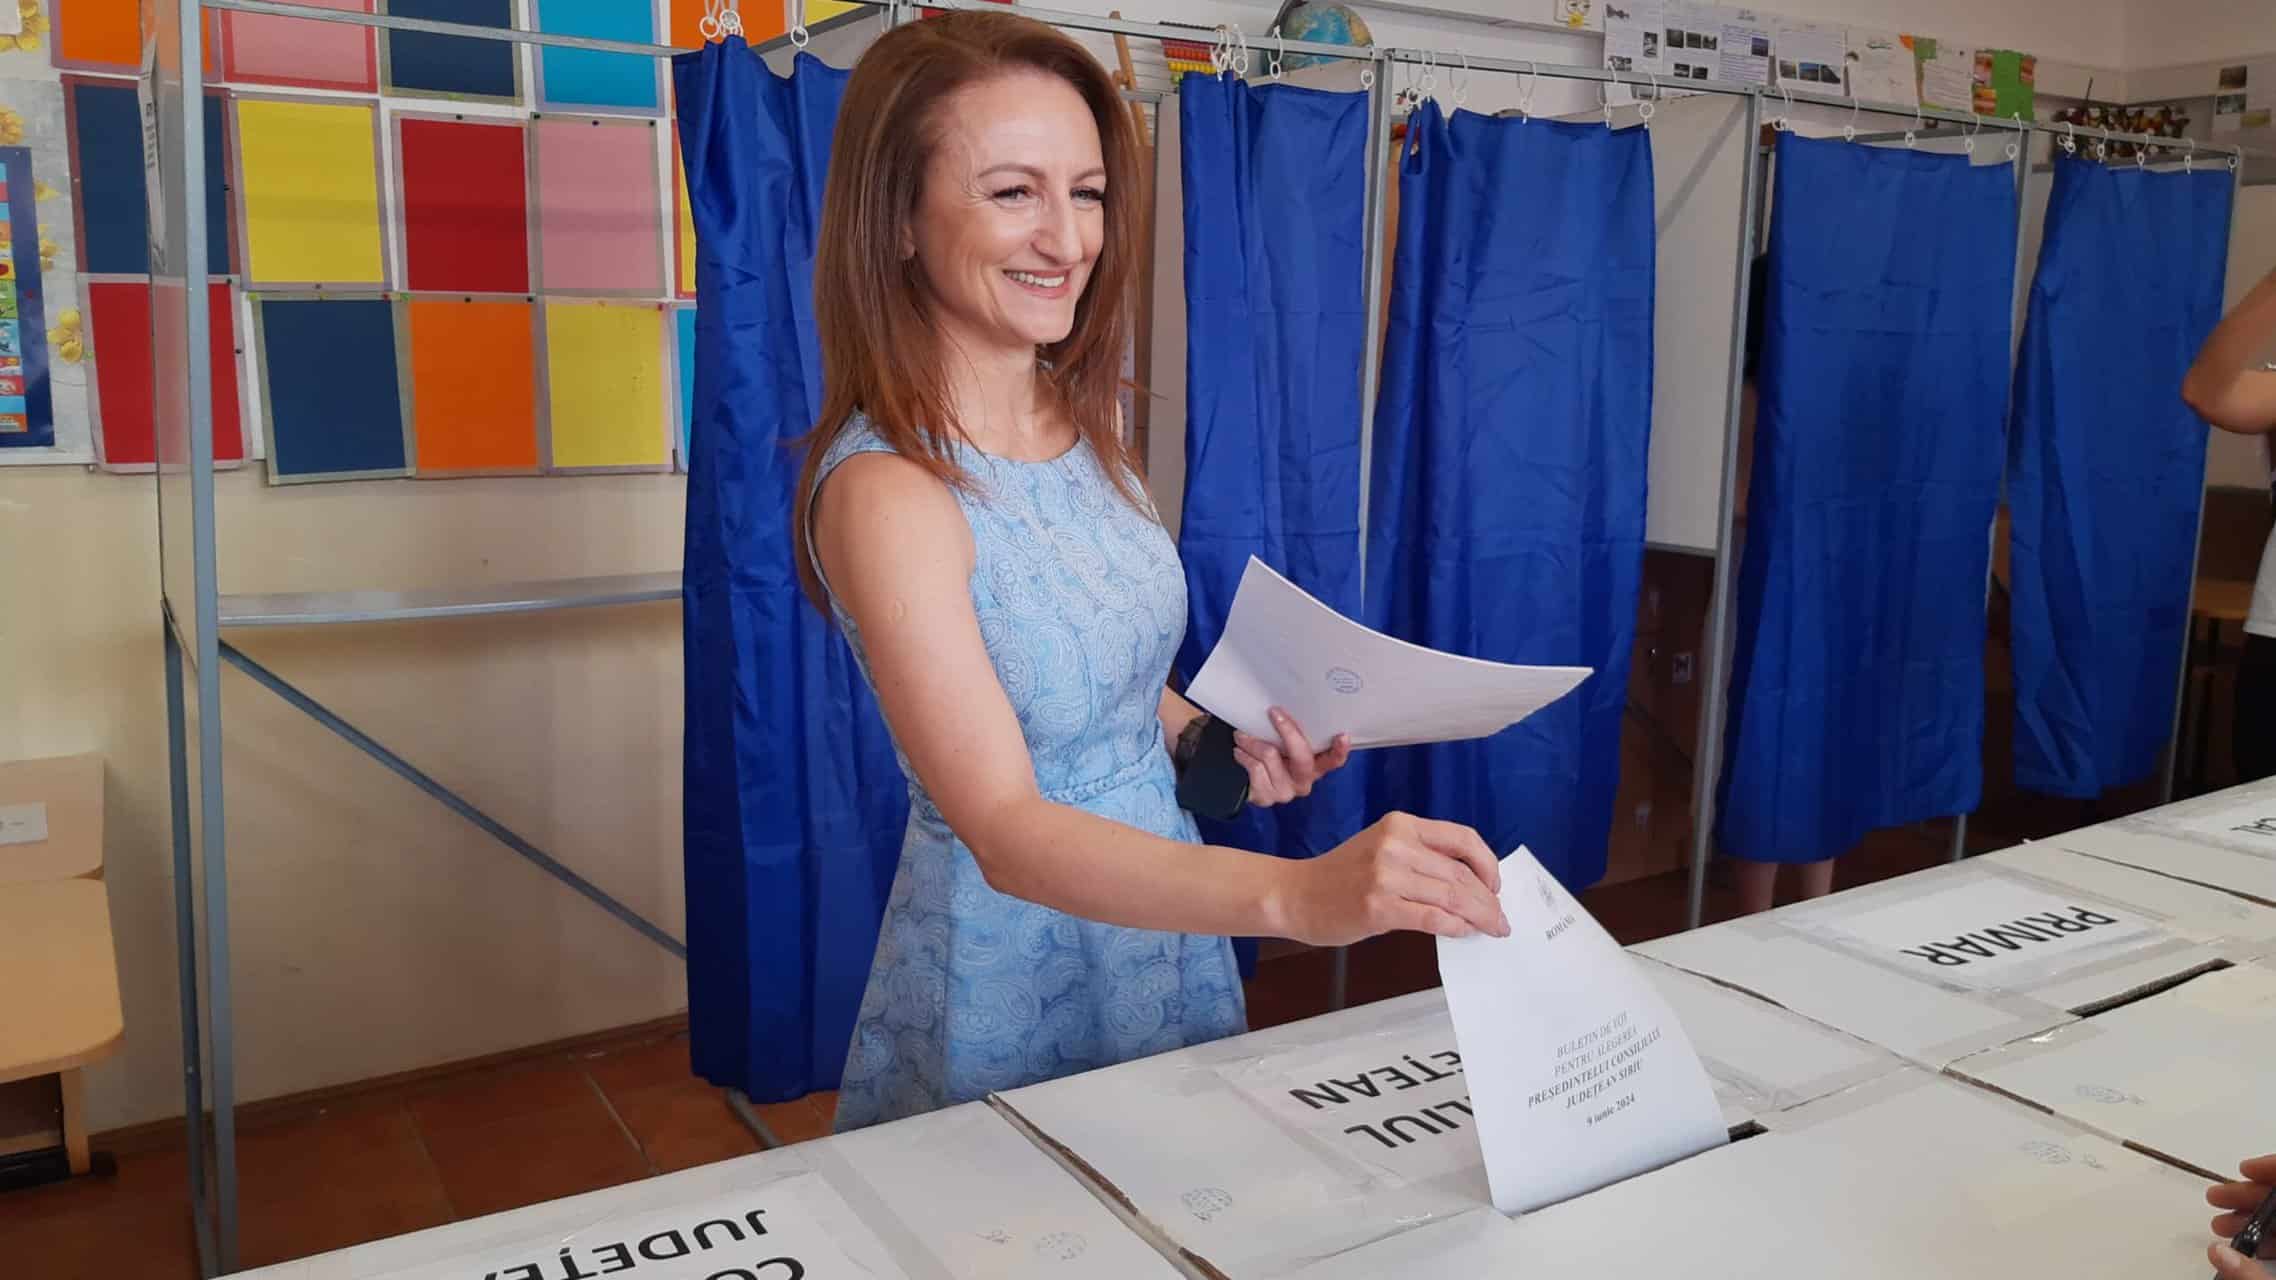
(586, 78)
(334, 402)
(453, 64)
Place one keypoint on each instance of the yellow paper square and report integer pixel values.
(823, 10)
(687, 231)
(604, 378)
(311, 193)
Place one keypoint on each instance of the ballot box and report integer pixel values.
(953, 1195)
(1257, 1155)
(1947, 962)
(2234, 924)
(2226, 840)
(2183, 1074)
(1907, 1176)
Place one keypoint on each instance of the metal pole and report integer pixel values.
(186, 942)
(745, 1112)
(449, 799)
(1374, 221)
(197, 378)
(1709, 752)
(2196, 547)
(2022, 166)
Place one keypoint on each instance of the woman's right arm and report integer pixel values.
(2224, 385)
(898, 555)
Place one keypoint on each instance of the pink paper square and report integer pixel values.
(599, 204)
(263, 49)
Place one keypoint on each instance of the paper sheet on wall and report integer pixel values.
(1632, 33)
(1811, 55)
(1580, 1075)
(1881, 68)
(1282, 648)
(1693, 40)
(23, 823)
(2005, 84)
(1746, 47)
(788, 1228)
(1947, 74)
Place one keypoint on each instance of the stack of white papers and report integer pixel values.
(1283, 648)
(1579, 1073)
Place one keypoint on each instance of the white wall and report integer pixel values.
(2165, 32)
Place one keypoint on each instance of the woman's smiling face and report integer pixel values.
(1012, 212)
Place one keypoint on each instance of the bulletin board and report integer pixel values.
(433, 257)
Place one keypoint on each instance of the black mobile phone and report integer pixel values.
(1213, 783)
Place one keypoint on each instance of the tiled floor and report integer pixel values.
(324, 1177)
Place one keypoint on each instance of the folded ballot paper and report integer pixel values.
(1579, 1073)
(1282, 648)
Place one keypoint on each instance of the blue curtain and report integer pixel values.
(1506, 513)
(1857, 690)
(1275, 189)
(2108, 468)
(794, 803)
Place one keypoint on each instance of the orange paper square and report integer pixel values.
(473, 385)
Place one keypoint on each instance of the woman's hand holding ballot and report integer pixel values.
(2240, 1200)
(1402, 873)
(1288, 769)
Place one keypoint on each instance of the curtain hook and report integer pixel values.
(1462, 86)
(708, 24)
(2015, 140)
(1240, 51)
(1427, 85)
(2070, 137)
(1785, 121)
(1919, 122)
(1279, 50)
(1975, 126)
(1646, 110)
(1367, 73)
(1604, 96)
(1849, 131)
(1525, 98)
(730, 19)
(799, 35)
(1221, 50)
(2189, 157)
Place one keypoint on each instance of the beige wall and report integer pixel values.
(374, 931)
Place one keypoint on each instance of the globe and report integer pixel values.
(1319, 23)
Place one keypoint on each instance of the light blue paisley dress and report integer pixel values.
(1081, 603)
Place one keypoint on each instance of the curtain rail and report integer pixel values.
(1438, 59)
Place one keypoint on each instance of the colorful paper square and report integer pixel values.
(604, 385)
(598, 207)
(684, 323)
(465, 206)
(762, 21)
(473, 385)
(97, 33)
(453, 66)
(333, 399)
(311, 193)
(119, 327)
(304, 54)
(106, 150)
(684, 230)
(588, 78)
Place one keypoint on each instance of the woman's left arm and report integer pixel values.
(1278, 771)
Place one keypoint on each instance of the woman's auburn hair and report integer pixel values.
(880, 351)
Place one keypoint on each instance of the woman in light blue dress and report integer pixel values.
(974, 523)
